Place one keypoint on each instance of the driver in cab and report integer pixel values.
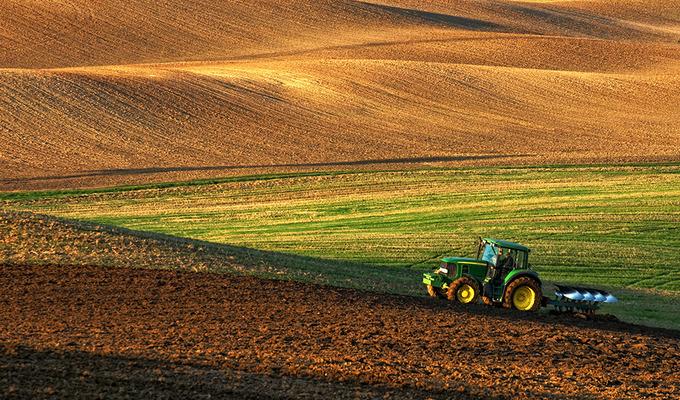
(506, 263)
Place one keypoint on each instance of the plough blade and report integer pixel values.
(570, 298)
(584, 294)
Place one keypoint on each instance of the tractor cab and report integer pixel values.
(504, 258)
(502, 253)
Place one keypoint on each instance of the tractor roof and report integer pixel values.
(507, 244)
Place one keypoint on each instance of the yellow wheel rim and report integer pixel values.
(465, 293)
(524, 298)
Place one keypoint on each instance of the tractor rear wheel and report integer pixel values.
(464, 290)
(523, 294)
(436, 292)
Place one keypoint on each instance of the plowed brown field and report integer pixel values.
(91, 331)
(112, 92)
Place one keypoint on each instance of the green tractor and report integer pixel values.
(501, 275)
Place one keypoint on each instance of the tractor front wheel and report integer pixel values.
(436, 292)
(523, 294)
(464, 290)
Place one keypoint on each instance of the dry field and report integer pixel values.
(112, 92)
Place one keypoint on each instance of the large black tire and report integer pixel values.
(523, 294)
(437, 293)
(464, 290)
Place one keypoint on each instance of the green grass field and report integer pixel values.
(615, 227)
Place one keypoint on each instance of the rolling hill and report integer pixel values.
(128, 92)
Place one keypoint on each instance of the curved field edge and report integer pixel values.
(347, 243)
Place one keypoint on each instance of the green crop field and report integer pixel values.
(616, 227)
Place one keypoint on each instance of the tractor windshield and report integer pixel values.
(489, 253)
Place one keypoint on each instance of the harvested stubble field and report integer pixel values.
(114, 92)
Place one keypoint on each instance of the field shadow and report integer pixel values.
(221, 258)
(37, 374)
(447, 20)
(59, 373)
(580, 22)
(353, 163)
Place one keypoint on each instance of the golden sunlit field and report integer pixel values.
(245, 199)
(113, 92)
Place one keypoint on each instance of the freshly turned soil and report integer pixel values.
(74, 332)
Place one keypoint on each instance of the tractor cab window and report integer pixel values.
(518, 259)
